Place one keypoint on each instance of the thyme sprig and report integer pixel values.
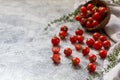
(65, 18)
(112, 58)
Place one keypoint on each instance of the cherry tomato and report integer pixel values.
(64, 28)
(97, 45)
(82, 15)
(91, 67)
(96, 16)
(94, 23)
(90, 42)
(88, 24)
(90, 19)
(67, 52)
(55, 41)
(92, 58)
(77, 18)
(82, 21)
(62, 34)
(96, 36)
(103, 38)
(102, 10)
(55, 50)
(78, 31)
(103, 53)
(85, 51)
(90, 6)
(83, 9)
(78, 47)
(80, 38)
(56, 58)
(75, 61)
(73, 39)
(106, 44)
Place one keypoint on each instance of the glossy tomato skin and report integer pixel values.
(82, 15)
(96, 16)
(94, 23)
(62, 34)
(55, 41)
(92, 58)
(91, 67)
(73, 38)
(56, 58)
(96, 36)
(78, 47)
(83, 9)
(97, 45)
(80, 38)
(106, 44)
(88, 24)
(64, 28)
(67, 52)
(79, 31)
(90, 19)
(102, 10)
(103, 38)
(90, 6)
(75, 61)
(77, 18)
(85, 51)
(103, 53)
(90, 42)
(83, 21)
(56, 50)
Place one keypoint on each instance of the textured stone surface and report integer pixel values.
(25, 47)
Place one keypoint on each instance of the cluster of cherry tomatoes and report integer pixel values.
(98, 42)
(91, 15)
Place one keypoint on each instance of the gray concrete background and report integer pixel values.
(25, 47)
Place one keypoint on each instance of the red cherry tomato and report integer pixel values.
(55, 41)
(82, 15)
(97, 45)
(88, 24)
(94, 23)
(103, 38)
(85, 51)
(73, 39)
(90, 42)
(106, 44)
(56, 58)
(62, 34)
(91, 67)
(77, 18)
(102, 10)
(103, 53)
(75, 61)
(92, 58)
(78, 47)
(64, 28)
(90, 6)
(55, 50)
(83, 9)
(67, 52)
(96, 16)
(96, 36)
(90, 19)
(82, 21)
(80, 38)
(78, 31)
